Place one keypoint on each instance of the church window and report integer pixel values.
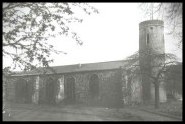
(147, 39)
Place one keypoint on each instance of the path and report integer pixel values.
(77, 113)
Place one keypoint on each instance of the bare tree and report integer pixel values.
(155, 69)
(171, 13)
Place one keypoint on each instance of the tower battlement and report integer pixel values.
(151, 23)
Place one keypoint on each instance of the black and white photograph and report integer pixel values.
(92, 61)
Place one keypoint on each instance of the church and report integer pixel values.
(99, 84)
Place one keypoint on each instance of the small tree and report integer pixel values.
(155, 70)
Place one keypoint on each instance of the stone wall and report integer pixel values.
(10, 89)
(11, 86)
(132, 89)
(136, 89)
(110, 91)
(106, 86)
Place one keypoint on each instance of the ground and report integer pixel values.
(172, 108)
(30, 112)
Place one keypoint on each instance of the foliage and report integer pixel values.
(27, 28)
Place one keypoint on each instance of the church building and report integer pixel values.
(99, 84)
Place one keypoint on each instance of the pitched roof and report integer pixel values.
(75, 68)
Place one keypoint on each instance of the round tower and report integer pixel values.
(151, 44)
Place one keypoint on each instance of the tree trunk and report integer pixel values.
(157, 95)
(4, 93)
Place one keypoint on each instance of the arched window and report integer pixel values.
(70, 90)
(94, 86)
(50, 91)
(30, 91)
(147, 39)
(23, 92)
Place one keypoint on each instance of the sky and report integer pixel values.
(111, 35)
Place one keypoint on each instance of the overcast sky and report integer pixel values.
(111, 35)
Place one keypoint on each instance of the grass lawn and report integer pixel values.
(173, 108)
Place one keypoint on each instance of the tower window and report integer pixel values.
(147, 39)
